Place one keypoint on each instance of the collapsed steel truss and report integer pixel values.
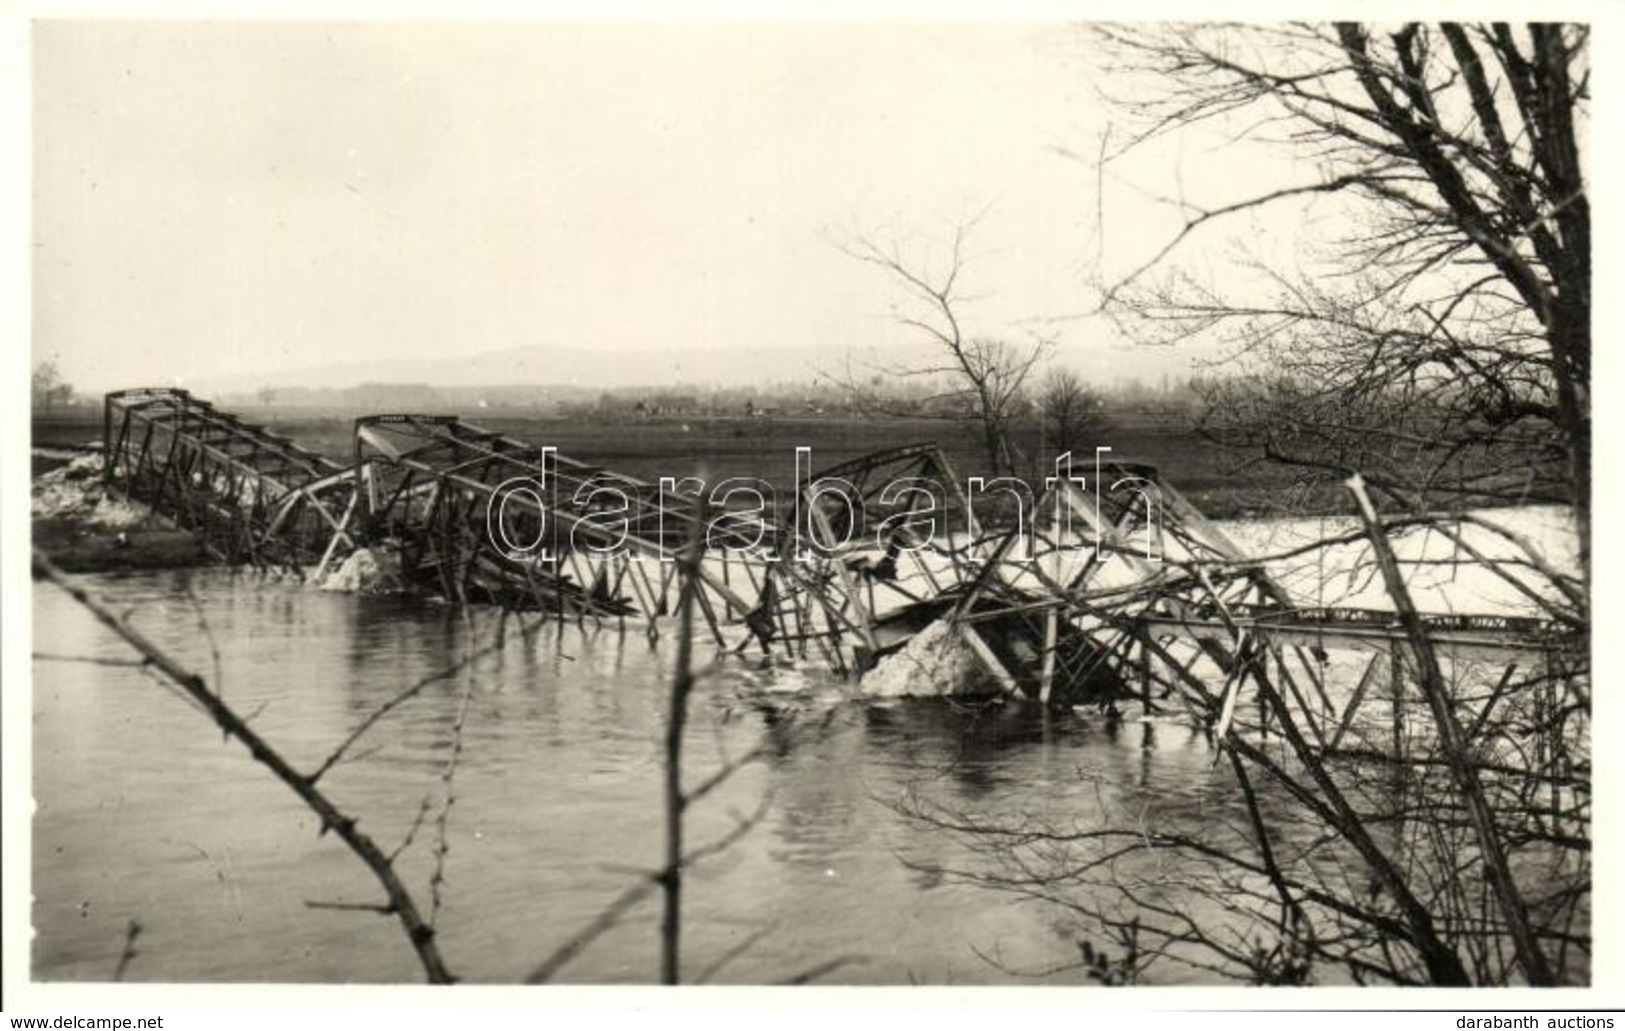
(1076, 594)
(481, 516)
(250, 495)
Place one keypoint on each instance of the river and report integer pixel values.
(144, 814)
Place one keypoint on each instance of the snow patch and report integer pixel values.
(366, 571)
(76, 491)
(935, 663)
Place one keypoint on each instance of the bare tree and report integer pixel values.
(48, 388)
(1438, 343)
(1462, 301)
(1073, 413)
(977, 380)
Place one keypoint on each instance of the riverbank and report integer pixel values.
(765, 449)
(86, 529)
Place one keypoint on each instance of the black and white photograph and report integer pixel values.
(1045, 501)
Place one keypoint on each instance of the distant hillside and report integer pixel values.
(553, 367)
(547, 376)
(407, 397)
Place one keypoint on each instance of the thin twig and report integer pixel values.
(1448, 730)
(128, 953)
(331, 817)
(405, 695)
(442, 843)
(738, 949)
(600, 924)
(671, 878)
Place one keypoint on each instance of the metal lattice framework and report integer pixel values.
(249, 494)
(480, 516)
(1076, 594)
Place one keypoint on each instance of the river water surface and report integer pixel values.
(144, 814)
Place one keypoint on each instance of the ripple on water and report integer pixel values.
(143, 813)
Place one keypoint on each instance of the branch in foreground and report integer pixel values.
(420, 934)
(1450, 741)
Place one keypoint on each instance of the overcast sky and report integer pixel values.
(214, 198)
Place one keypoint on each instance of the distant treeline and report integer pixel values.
(672, 401)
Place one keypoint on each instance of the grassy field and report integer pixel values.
(724, 447)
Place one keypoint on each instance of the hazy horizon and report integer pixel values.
(576, 368)
(252, 199)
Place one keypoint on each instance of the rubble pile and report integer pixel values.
(934, 663)
(367, 571)
(75, 491)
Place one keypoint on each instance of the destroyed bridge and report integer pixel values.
(1126, 593)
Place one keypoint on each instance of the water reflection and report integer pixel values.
(557, 795)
